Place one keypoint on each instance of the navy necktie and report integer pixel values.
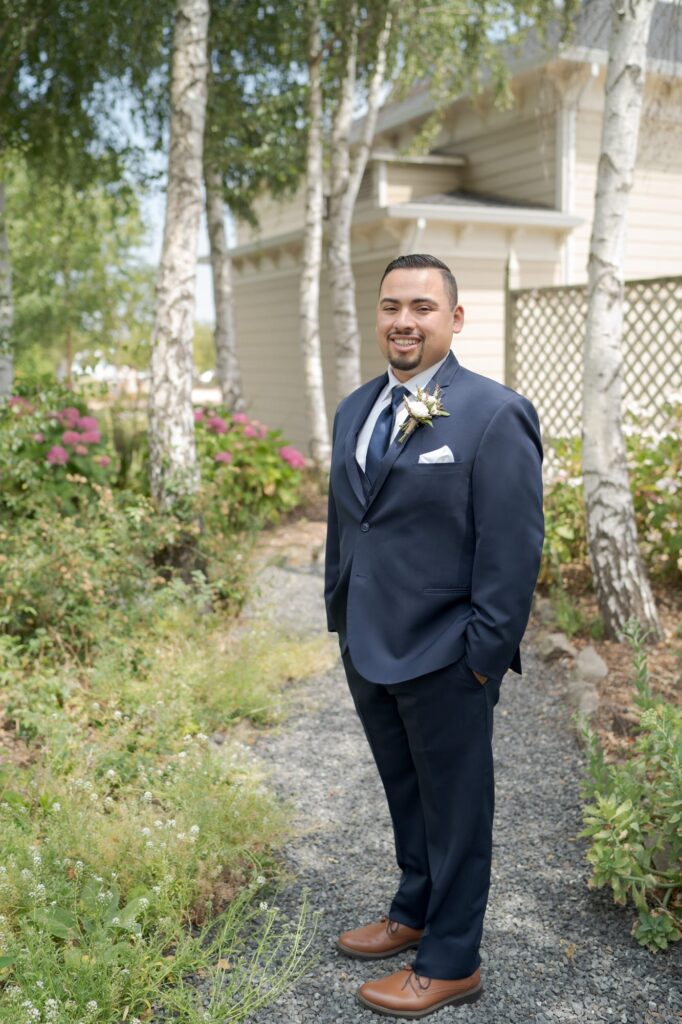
(381, 435)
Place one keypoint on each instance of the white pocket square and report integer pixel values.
(443, 454)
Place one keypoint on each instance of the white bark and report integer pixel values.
(345, 183)
(227, 365)
(312, 255)
(6, 308)
(620, 580)
(173, 462)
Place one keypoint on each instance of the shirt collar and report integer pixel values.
(419, 379)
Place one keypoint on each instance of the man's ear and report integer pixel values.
(457, 319)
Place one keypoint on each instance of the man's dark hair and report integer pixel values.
(416, 261)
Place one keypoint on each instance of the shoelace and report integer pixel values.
(391, 926)
(421, 983)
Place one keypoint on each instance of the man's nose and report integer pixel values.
(404, 321)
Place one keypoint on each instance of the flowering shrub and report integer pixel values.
(250, 475)
(655, 468)
(50, 445)
(64, 578)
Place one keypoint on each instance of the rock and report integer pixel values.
(589, 666)
(551, 646)
(588, 703)
(542, 606)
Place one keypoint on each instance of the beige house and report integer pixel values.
(496, 185)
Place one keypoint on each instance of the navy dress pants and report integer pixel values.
(431, 738)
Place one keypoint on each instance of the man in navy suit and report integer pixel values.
(434, 540)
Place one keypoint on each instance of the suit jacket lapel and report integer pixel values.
(352, 468)
(443, 378)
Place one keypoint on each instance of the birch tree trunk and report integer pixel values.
(345, 184)
(173, 462)
(320, 447)
(6, 308)
(621, 584)
(227, 365)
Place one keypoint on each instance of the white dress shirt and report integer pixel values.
(419, 380)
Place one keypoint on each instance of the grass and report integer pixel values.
(136, 836)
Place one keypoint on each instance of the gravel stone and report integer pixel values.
(553, 951)
(590, 666)
(555, 645)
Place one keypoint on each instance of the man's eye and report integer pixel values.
(424, 309)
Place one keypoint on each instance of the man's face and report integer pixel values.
(414, 321)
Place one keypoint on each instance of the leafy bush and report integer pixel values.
(634, 817)
(655, 468)
(49, 445)
(250, 474)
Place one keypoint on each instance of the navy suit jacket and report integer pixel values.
(440, 561)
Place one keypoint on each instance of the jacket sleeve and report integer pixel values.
(331, 557)
(509, 533)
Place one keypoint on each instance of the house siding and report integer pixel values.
(654, 216)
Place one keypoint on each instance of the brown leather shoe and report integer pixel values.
(406, 994)
(379, 939)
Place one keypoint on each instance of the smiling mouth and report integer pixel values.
(405, 343)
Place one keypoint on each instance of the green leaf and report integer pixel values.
(7, 961)
(58, 922)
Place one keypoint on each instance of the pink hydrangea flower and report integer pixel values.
(91, 437)
(69, 416)
(198, 415)
(240, 417)
(19, 404)
(57, 456)
(103, 460)
(292, 456)
(224, 457)
(39, 437)
(88, 423)
(262, 431)
(250, 431)
(81, 449)
(217, 424)
(71, 437)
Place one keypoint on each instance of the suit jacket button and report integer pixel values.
(364, 527)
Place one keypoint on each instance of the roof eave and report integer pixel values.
(517, 216)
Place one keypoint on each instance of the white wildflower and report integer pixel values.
(194, 830)
(263, 905)
(147, 796)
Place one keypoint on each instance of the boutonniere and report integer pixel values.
(421, 410)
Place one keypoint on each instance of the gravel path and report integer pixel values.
(552, 950)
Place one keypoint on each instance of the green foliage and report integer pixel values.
(655, 466)
(634, 815)
(127, 823)
(250, 475)
(79, 288)
(655, 469)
